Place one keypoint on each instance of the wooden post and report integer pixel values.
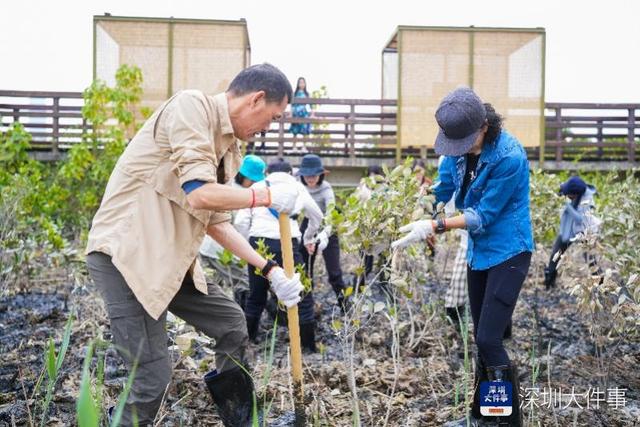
(558, 134)
(281, 137)
(56, 126)
(294, 325)
(631, 121)
(346, 135)
(600, 139)
(352, 132)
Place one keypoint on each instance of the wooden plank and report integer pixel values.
(376, 141)
(38, 94)
(563, 124)
(590, 106)
(349, 101)
(590, 118)
(34, 114)
(568, 144)
(357, 132)
(592, 135)
(363, 115)
(346, 121)
(45, 108)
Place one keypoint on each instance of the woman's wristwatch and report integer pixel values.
(268, 267)
(441, 226)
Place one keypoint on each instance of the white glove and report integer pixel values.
(418, 231)
(287, 290)
(322, 239)
(284, 192)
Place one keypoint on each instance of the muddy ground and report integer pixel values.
(549, 334)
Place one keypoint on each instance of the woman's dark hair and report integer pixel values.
(320, 180)
(279, 165)
(306, 94)
(494, 123)
(239, 178)
(264, 77)
(375, 170)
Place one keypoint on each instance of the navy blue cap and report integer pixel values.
(311, 165)
(461, 115)
(574, 185)
(279, 165)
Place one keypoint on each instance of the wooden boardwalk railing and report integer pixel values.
(339, 128)
(592, 132)
(350, 129)
(54, 119)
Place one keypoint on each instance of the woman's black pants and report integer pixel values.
(492, 296)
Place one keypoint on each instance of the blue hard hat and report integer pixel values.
(253, 167)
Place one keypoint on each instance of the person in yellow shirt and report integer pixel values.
(167, 191)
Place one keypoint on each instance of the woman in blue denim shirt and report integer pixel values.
(487, 171)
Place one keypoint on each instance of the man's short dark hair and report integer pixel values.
(264, 77)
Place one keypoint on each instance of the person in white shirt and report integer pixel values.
(262, 223)
(251, 170)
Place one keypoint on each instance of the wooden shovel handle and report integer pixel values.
(294, 326)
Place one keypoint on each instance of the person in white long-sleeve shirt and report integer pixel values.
(262, 223)
(251, 170)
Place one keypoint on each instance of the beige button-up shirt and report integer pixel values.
(144, 221)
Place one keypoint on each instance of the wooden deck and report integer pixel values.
(355, 133)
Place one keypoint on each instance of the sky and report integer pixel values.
(593, 48)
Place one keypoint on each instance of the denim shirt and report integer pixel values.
(496, 204)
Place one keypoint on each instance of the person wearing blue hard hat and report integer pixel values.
(486, 169)
(261, 224)
(251, 170)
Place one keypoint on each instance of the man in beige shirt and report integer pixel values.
(166, 192)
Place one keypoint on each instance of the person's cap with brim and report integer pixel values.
(460, 116)
(253, 167)
(311, 165)
(574, 185)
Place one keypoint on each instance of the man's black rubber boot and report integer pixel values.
(233, 394)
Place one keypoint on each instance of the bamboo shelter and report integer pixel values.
(505, 66)
(173, 54)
